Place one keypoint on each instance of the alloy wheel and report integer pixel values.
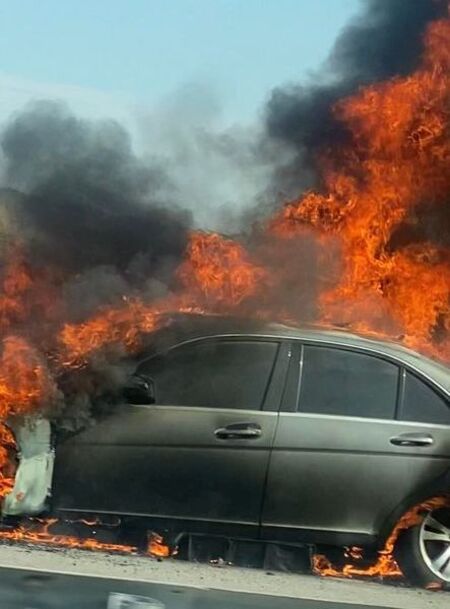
(434, 539)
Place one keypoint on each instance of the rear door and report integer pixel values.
(200, 453)
(339, 465)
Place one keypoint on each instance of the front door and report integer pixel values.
(200, 453)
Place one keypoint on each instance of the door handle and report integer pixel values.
(239, 431)
(412, 439)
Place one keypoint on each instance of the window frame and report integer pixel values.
(290, 402)
(274, 390)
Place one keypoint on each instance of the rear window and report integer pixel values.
(423, 404)
(346, 383)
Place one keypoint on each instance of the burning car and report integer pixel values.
(263, 432)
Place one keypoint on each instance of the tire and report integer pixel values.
(423, 551)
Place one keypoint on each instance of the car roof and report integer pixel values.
(186, 327)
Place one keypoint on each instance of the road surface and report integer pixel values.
(36, 578)
(23, 589)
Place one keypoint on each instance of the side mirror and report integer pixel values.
(140, 389)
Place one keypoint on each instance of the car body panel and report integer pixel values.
(166, 461)
(340, 477)
(342, 474)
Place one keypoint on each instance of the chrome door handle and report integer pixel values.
(412, 439)
(239, 431)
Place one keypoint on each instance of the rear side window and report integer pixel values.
(423, 404)
(213, 374)
(339, 382)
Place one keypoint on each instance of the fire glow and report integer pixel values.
(385, 565)
(398, 165)
(39, 531)
(394, 169)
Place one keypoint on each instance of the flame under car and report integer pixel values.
(267, 432)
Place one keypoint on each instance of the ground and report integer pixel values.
(205, 579)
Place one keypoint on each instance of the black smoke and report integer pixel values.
(91, 207)
(385, 40)
(95, 224)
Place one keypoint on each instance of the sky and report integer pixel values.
(111, 57)
(188, 79)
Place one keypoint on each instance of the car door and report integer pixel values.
(339, 466)
(199, 453)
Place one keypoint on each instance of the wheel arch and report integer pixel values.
(436, 488)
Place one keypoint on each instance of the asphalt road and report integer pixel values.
(24, 589)
(36, 577)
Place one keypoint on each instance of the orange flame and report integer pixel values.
(24, 293)
(7, 465)
(25, 381)
(38, 531)
(217, 275)
(398, 163)
(219, 271)
(386, 565)
(118, 326)
(376, 189)
(157, 548)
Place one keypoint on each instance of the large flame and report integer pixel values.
(26, 292)
(393, 171)
(219, 272)
(397, 163)
(216, 276)
(25, 381)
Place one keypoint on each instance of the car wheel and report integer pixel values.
(423, 551)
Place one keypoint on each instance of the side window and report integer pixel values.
(220, 374)
(421, 403)
(335, 381)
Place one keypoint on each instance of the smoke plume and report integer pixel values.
(84, 223)
(87, 225)
(384, 41)
(85, 194)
